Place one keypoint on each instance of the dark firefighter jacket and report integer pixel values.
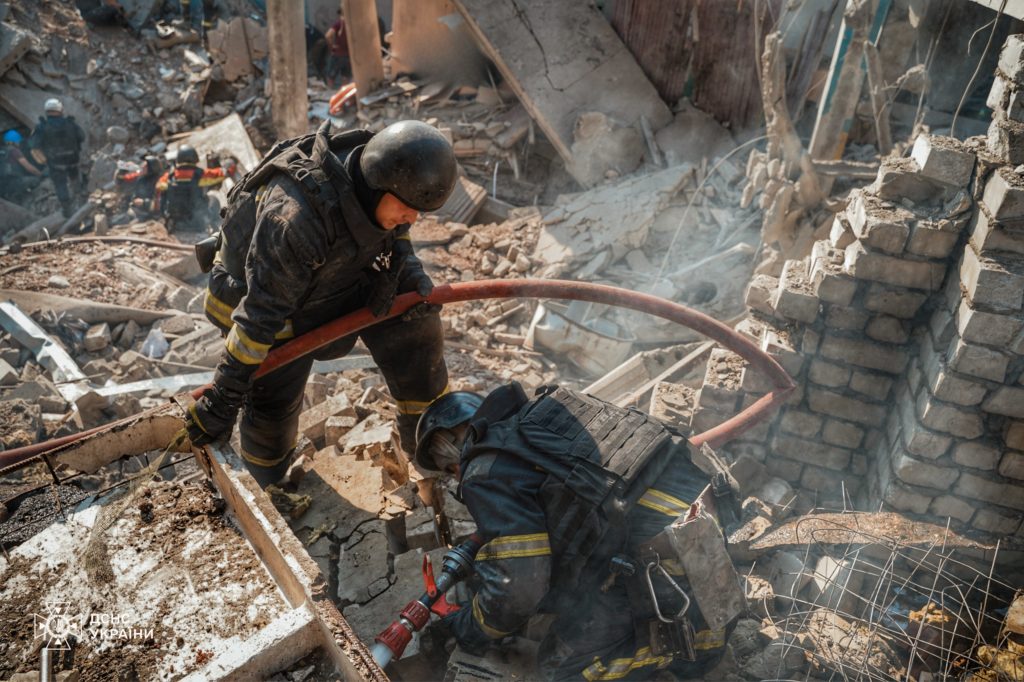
(521, 570)
(188, 180)
(297, 270)
(60, 138)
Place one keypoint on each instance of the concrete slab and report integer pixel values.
(26, 105)
(226, 137)
(13, 44)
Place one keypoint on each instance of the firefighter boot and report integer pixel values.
(267, 474)
(406, 425)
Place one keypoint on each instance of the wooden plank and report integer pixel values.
(90, 311)
(563, 59)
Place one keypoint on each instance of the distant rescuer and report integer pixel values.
(567, 492)
(181, 192)
(17, 174)
(320, 229)
(60, 139)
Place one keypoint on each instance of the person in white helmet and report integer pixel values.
(60, 139)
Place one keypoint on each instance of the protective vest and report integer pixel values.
(59, 139)
(600, 459)
(310, 163)
(183, 195)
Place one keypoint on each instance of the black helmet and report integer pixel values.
(154, 166)
(413, 161)
(447, 412)
(187, 154)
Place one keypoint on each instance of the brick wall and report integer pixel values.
(905, 332)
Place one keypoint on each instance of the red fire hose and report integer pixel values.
(515, 288)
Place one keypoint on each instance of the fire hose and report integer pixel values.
(510, 288)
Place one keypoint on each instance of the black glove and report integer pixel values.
(384, 286)
(213, 415)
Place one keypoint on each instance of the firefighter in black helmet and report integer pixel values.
(568, 492)
(181, 193)
(318, 229)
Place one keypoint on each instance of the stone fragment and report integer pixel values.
(759, 293)
(1006, 139)
(787, 576)
(841, 236)
(363, 565)
(988, 235)
(58, 282)
(996, 283)
(177, 324)
(794, 299)
(943, 159)
(978, 326)
(933, 239)
(313, 421)
(828, 282)
(1004, 197)
(879, 224)
(337, 426)
(97, 337)
(900, 178)
(835, 584)
(1011, 58)
(368, 439)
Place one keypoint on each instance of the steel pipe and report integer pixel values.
(517, 288)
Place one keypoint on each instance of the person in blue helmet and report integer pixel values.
(18, 175)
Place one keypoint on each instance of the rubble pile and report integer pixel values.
(902, 330)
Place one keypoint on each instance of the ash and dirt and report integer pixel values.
(184, 580)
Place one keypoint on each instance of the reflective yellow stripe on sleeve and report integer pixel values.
(221, 311)
(419, 406)
(663, 503)
(478, 616)
(244, 349)
(515, 546)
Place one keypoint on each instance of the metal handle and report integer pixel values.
(654, 597)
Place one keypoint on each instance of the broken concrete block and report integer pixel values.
(878, 267)
(8, 375)
(978, 361)
(1006, 140)
(933, 239)
(128, 333)
(1004, 196)
(993, 281)
(900, 178)
(759, 293)
(177, 324)
(337, 426)
(778, 495)
(13, 44)
(1011, 58)
(90, 408)
(601, 146)
(988, 235)
(879, 224)
(841, 235)
(313, 421)
(368, 439)
(827, 279)
(794, 299)
(943, 159)
(97, 337)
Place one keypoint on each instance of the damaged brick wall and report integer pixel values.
(904, 330)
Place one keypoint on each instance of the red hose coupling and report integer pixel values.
(417, 614)
(395, 637)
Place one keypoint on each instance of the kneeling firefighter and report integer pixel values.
(318, 229)
(575, 499)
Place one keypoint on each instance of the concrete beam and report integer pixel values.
(363, 44)
(286, 34)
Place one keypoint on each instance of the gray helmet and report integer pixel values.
(447, 412)
(187, 154)
(413, 161)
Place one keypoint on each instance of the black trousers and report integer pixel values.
(410, 354)
(66, 181)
